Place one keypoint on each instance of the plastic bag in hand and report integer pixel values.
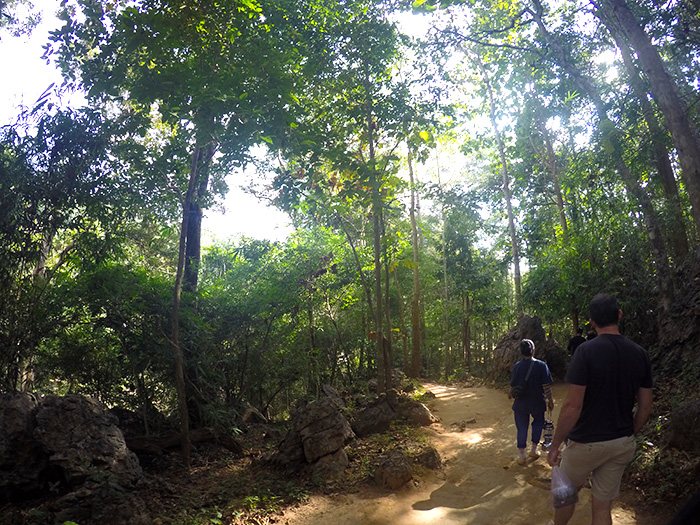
(563, 491)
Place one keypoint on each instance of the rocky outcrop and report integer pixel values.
(507, 351)
(69, 447)
(394, 471)
(377, 416)
(684, 428)
(430, 459)
(319, 432)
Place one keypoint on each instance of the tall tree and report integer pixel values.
(224, 74)
(505, 177)
(665, 92)
(416, 339)
(614, 141)
(357, 115)
(664, 169)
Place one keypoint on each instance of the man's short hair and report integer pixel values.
(527, 347)
(604, 310)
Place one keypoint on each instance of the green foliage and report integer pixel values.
(61, 215)
(90, 198)
(18, 17)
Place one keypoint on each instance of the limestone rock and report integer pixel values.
(374, 418)
(415, 412)
(23, 465)
(507, 351)
(71, 448)
(394, 471)
(430, 459)
(684, 428)
(317, 439)
(331, 466)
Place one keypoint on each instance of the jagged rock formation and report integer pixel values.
(317, 439)
(507, 351)
(70, 447)
(377, 416)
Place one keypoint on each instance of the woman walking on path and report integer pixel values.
(534, 376)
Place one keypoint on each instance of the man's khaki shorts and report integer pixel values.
(604, 461)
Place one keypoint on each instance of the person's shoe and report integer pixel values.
(522, 461)
(534, 454)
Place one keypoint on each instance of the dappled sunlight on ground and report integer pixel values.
(481, 482)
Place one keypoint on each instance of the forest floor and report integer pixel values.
(480, 482)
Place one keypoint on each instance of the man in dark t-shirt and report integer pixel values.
(576, 341)
(607, 376)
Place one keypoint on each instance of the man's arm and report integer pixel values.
(570, 412)
(547, 387)
(644, 401)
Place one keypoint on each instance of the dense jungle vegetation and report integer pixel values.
(449, 166)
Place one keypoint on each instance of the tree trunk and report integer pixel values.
(376, 183)
(402, 320)
(667, 95)
(358, 264)
(467, 335)
(415, 302)
(178, 357)
(551, 163)
(515, 250)
(388, 340)
(449, 368)
(201, 159)
(193, 248)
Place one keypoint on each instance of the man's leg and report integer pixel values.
(605, 482)
(602, 511)
(537, 426)
(522, 422)
(562, 515)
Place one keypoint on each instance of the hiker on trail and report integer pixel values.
(536, 381)
(576, 341)
(606, 377)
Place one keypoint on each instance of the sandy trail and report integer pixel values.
(481, 483)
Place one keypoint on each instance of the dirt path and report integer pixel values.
(481, 483)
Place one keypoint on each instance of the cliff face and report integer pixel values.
(677, 351)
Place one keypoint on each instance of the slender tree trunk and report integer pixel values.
(402, 320)
(388, 340)
(467, 334)
(449, 367)
(678, 234)
(201, 160)
(376, 183)
(551, 163)
(515, 250)
(178, 357)
(193, 250)
(313, 351)
(663, 271)
(415, 302)
(667, 95)
(365, 285)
